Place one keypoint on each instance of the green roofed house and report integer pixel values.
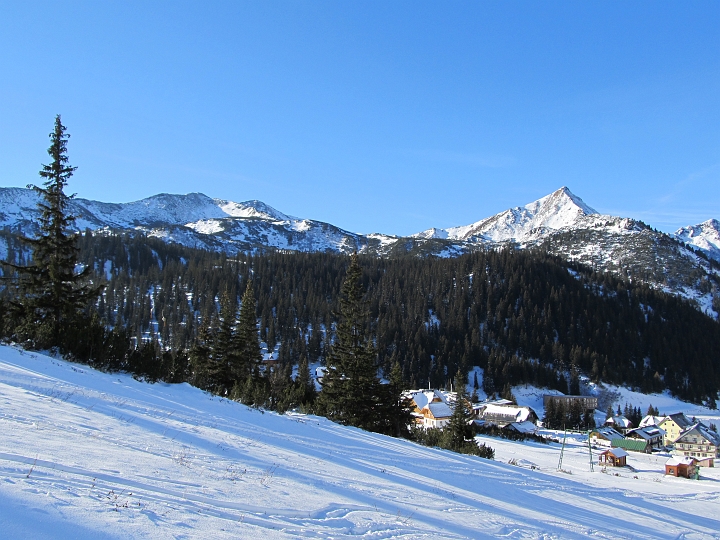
(634, 445)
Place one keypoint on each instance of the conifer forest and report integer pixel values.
(522, 316)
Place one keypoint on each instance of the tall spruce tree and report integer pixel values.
(50, 295)
(246, 355)
(459, 430)
(351, 390)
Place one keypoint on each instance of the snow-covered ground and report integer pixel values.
(85, 454)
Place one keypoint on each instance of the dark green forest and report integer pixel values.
(523, 316)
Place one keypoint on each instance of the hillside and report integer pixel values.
(88, 454)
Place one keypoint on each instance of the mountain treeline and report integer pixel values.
(523, 316)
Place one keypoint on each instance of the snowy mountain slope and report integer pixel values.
(521, 224)
(199, 221)
(560, 223)
(89, 454)
(704, 236)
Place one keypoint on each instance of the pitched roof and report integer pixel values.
(703, 431)
(620, 421)
(635, 445)
(651, 421)
(685, 460)
(521, 414)
(617, 452)
(523, 427)
(680, 419)
(438, 410)
(607, 433)
(647, 433)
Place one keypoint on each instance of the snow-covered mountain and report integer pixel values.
(196, 220)
(705, 236)
(521, 224)
(560, 223)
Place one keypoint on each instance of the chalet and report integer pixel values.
(685, 467)
(430, 408)
(604, 436)
(436, 414)
(615, 457)
(588, 403)
(503, 415)
(698, 442)
(652, 435)
(673, 425)
(619, 423)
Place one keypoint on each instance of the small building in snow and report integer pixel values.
(526, 428)
(615, 457)
(685, 467)
(604, 436)
(430, 408)
(619, 423)
(503, 415)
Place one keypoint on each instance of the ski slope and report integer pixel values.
(85, 454)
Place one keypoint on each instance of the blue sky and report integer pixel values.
(375, 116)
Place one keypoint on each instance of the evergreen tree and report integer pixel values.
(50, 295)
(459, 431)
(400, 408)
(246, 354)
(351, 391)
(304, 392)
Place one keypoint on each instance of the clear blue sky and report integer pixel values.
(375, 116)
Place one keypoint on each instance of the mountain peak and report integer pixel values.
(569, 200)
(705, 235)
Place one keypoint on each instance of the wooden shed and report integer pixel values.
(685, 467)
(615, 457)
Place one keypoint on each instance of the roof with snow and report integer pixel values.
(438, 409)
(680, 419)
(685, 460)
(606, 433)
(520, 414)
(650, 420)
(700, 429)
(617, 452)
(523, 427)
(619, 421)
(648, 433)
(423, 397)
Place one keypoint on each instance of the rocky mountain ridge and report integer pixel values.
(684, 263)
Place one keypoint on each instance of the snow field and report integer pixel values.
(86, 454)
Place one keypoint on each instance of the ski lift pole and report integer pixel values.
(592, 467)
(562, 450)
